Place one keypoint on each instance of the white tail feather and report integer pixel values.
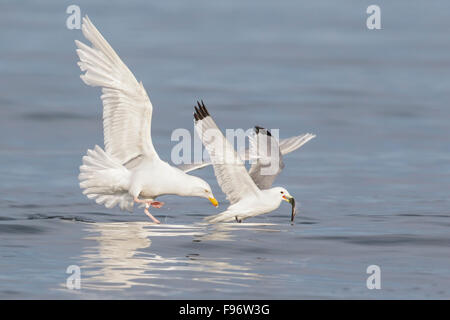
(105, 180)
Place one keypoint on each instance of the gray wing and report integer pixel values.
(293, 143)
(269, 153)
(269, 160)
(261, 171)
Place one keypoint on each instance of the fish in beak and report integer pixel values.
(291, 200)
(214, 202)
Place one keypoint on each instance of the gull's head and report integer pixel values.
(202, 189)
(284, 195)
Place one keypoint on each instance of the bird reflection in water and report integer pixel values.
(224, 231)
(123, 257)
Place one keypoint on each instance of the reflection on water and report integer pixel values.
(223, 231)
(123, 256)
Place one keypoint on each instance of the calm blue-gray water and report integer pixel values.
(373, 186)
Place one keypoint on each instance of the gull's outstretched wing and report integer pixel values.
(193, 166)
(229, 169)
(269, 154)
(188, 167)
(261, 171)
(127, 110)
(269, 161)
(293, 143)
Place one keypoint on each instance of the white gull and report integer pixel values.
(245, 197)
(129, 170)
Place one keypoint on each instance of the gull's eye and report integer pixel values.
(206, 191)
(281, 192)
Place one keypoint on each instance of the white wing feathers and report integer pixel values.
(188, 167)
(293, 143)
(229, 169)
(127, 110)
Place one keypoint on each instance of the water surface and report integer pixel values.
(373, 186)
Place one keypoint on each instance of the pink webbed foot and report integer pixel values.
(156, 204)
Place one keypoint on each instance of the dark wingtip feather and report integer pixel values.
(197, 116)
(204, 108)
(259, 129)
(200, 111)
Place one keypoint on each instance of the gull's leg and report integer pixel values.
(151, 216)
(147, 205)
(238, 220)
(136, 199)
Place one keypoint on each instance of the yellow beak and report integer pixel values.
(214, 202)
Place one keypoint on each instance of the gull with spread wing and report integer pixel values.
(245, 197)
(265, 152)
(129, 170)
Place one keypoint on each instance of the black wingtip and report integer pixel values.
(200, 111)
(259, 129)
